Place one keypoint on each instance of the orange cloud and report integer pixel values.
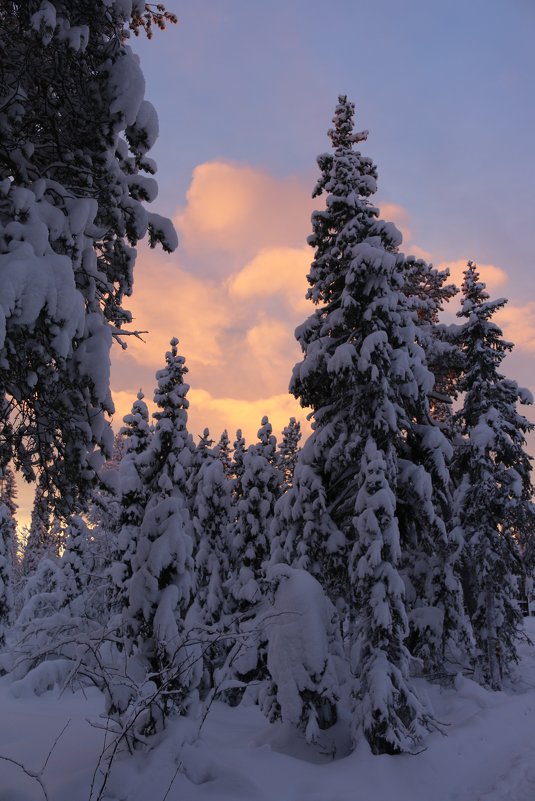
(518, 324)
(233, 294)
(238, 210)
(277, 272)
(493, 276)
(233, 413)
(392, 212)
(169, 301)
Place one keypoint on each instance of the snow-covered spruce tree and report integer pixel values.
(427, 289)
(365, 378)
(211, 514)
(62, 624)
(389, 712)
(8, 545)
(162, 582)
(201, 452)
(103, 508)
(267, 441)
(249, 531)
(238, 452)
(74, 178)
(223, 451)
(288, 450)
(249, 548)
(302, 642)
(305, 535)
(493, 473)
(524, 535)
(84, 571)
(431, 553)
(132, 491)
(39, 542)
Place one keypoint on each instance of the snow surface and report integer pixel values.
(487, 754)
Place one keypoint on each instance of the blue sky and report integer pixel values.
(446, 90)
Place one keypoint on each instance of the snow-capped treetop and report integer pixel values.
(171, 453)
(237, 467)
(136, 429)
(170, 393)
(222, 450)
(205, 441)
(484, 349)
(267, 444)
(288, 451)
(343, 135)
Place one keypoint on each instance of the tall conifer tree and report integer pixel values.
(493, 472)
(8, 543)
(162, 581)
(364, 375)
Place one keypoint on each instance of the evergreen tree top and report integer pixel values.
(171, 391)
(480, 338)
(476, 298)
(342, 135)
(267, 440)
(136, 429)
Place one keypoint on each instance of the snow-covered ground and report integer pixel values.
(488, 753)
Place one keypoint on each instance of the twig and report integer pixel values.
(97, 766)
(38, 774)
(175, 774)
(54, 744)
(31, 773)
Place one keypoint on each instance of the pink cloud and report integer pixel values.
(169, 301)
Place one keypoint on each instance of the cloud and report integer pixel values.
(392, 212)
(279, 272)
(236, 211)
(169, 301)
(399, 215)
(493, 276)
(518, 324)
(233, 294)
(233, 413)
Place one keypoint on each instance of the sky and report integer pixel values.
(245, 93)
